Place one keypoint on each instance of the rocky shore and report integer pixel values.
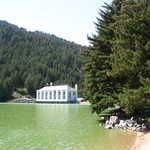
(140, 126)
(133, 124)
(23, 100)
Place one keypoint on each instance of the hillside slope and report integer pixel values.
(32, 59)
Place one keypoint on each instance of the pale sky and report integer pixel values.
(68, 19)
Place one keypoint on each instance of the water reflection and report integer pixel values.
(56, 127)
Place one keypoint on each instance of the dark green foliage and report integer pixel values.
(32, 59)
(108, 112)
(30, 86)
(133, 102)
(6, 89)
(98, 82)
(117, 67)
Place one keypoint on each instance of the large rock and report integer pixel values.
(114, 120)
(108, 126)
(131, 123)
(122, 124)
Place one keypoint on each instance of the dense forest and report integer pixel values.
(117, 65)
(32, 59)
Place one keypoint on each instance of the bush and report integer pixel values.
(134, 102)
(108, 112)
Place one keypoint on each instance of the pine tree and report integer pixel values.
(131, 55)
(117, 66)
(98, 83)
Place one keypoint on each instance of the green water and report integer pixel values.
(56, 127)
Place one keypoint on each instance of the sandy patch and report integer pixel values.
(142, 142)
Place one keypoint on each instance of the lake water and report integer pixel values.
(56, 127)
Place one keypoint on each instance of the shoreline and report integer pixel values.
(142, 141)
(47, 103)
(33, 101)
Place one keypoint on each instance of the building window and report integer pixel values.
(74, 93)
(54, 94)
(42, 95)
(50, 95)
(46, 95)
(59, 94)
(38, 95)
(64, 94)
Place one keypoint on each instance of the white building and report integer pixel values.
(59, 93)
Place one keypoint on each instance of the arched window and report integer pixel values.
(59, 94)
(64, 94)
(46, 95)
(38, 95)
(50, 95)
(42, 97)
(54, 94)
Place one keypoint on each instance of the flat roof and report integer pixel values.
(56, 87)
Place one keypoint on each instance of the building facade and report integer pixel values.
(59, 93)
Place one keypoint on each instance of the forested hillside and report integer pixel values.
(117, 67)
(32, 59)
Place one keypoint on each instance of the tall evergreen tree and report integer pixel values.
(98, 82)
(131, 55)
(117, 63)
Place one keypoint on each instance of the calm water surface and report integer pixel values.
(56, 127)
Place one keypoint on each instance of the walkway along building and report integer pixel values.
(57, 94)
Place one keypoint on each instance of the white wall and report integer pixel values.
(54, 90)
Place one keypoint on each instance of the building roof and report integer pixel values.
(46, 88)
